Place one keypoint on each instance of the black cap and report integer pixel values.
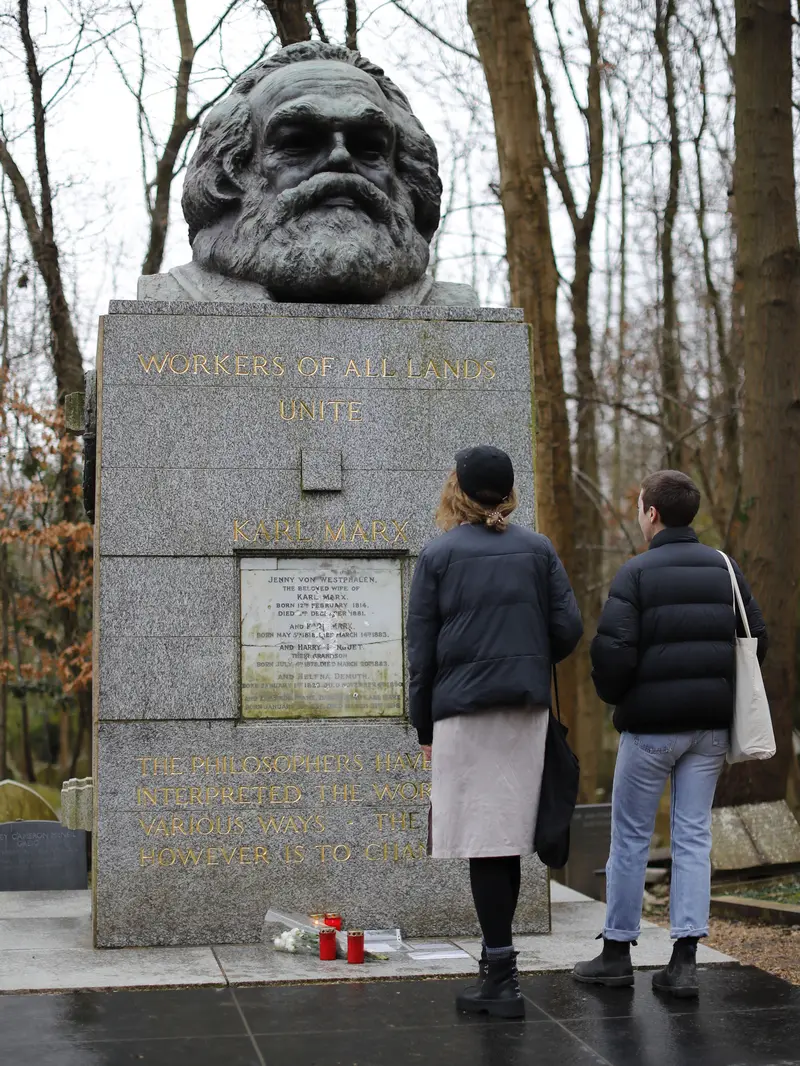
(485, 474)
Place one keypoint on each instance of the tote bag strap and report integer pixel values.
(737, 595)
(555, 689)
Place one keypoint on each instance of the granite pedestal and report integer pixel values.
(266, 477)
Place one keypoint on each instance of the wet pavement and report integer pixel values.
(743, 1018)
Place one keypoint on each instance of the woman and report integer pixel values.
(491, 610)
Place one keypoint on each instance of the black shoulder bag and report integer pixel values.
(559, 793)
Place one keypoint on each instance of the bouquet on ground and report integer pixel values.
(297, 941)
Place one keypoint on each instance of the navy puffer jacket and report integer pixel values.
(489, 612)
(664, 650)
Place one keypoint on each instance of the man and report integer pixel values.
(313, 181)
(664, 656)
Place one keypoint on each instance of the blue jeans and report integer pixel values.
(645, 761)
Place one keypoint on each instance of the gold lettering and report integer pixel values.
(369, 373)
(282, 529)
(152, 361)
(310, 411)
(401, 536)
(385, 371)
(354, 411)
(314, 367)
(454, 368)
(260, 364)
(284, 416)
(339, 852)
(326, 364)
(261, 855)
(172, 363)
(299, 534)
(340, 534)
(218, 367)
(278, 367)
(431, 367)
(379, 529)
(238, 529)
(352, 369)
(198, 359)
(489, 367)
(467, 364)
(146, 857)
(411, 368)
(242, 368)
(262, 531)
(358, 531)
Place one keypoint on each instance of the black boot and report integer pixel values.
(483, 970)
(498, 993)
(613, 968)
(680, 977)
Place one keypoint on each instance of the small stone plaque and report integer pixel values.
(41, 856)
(321, 638)
(590, 843)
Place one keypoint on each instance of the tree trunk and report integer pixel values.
(769, 262)
(503, 34)
(4, 652)
(671, 370)
(351, 27)
(290, 20)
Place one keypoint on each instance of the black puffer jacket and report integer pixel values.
(664, 651)
(489, 613)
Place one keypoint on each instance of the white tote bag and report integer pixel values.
(751, 734)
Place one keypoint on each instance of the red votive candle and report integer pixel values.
(327, 944)
(334, 920)
(355, 947)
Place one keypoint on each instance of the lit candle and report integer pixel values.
(334, 920)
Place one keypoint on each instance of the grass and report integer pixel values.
(778, 890)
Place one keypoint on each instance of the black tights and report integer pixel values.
(495, 889)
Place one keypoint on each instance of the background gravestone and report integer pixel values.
(41, 856)
(253, 750)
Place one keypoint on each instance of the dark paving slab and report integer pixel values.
(749, 1038)
(743, 1018)
(484, 1044)
(721, 990)
(368, 1007)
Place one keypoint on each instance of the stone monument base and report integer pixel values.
(204, 825)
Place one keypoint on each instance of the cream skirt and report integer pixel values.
(486, 780)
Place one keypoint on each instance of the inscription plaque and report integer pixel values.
(321, 638)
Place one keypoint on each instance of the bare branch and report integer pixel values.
(435, 33)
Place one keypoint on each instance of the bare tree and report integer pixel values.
(671, 369)
(161, 161)
(588, 502)
(504, 37)
(769, 266)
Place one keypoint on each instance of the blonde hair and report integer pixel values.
(456, 508)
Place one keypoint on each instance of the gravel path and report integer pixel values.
(773, 948)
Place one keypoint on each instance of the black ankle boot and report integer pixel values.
(612, 968)
(680, 977)
(483, 969)
(498, 993)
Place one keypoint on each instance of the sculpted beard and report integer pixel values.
(299, 248)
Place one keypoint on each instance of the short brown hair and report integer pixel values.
(456, 508)
(674, 495)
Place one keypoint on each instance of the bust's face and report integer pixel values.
(322, 117)
(324, 215)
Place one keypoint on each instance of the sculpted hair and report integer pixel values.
(456, 508)
(674, 495)
(213, 185)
